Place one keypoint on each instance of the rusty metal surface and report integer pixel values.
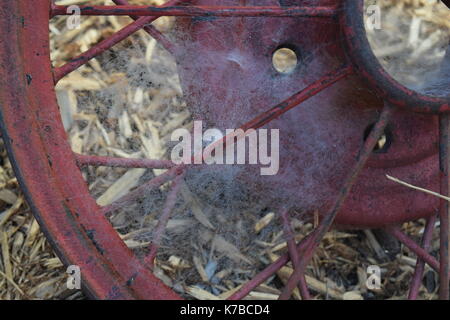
(322, 137)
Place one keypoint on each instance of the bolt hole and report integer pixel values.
(385, 141)
(284, 60)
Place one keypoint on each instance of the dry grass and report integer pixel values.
(28, 267)
(412, 42)
(137, 123)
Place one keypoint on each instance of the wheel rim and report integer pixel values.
(73, 226)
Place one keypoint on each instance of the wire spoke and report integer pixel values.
(162, 223)
(201, 11)
(99, 48)
(300, 253)
(153, 32)
(293, 254)
(255, 123)
(420, 264)
(413, 246)
(143, 189)
(269, 271)
(328, 218)
(444, 206)
(301, 96)
(283, 107)
(97, 161)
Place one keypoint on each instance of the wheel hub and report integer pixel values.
(330, 127)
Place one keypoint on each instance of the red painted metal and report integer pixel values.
(83, 160)
(164, 219)
(417, 249)
(348, 108)
(37, 144)
(102, 46)
(331, 131)
(143, 189)
(269, 271)
(200, 11)
(344, 192)
(294, 255)
(297, 99)
(257, 122)
(420, 264)
(153, 32)
(368, 65)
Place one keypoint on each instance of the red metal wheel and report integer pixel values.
(49, 171)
